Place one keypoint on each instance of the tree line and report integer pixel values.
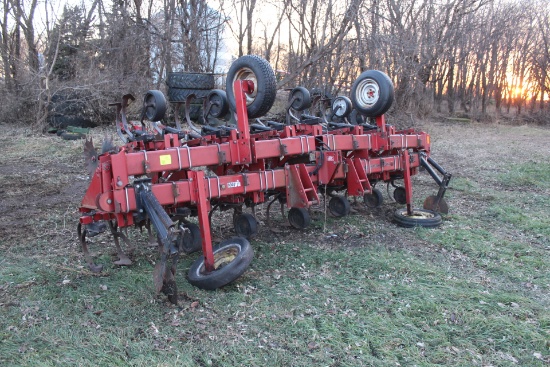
(479, 57)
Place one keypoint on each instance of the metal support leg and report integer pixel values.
(123, 259)
(203, 207)
(436, 202)
(407, 180)
(82, 237)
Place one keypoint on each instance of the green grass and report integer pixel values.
(300, 307)
(530, 174)
(355, 291)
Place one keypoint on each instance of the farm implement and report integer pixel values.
(164, 175)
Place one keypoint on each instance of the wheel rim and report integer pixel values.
(417, 214)
(339, 107)
(216, 102)
(368, 93)
(248, 74)
(222, 257)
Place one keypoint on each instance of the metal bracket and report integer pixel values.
(443, 182)
(149, 205)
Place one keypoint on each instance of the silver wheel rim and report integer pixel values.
(417, 214)
(248, 74)
(367, 93)
(222, 256)
(339, 102)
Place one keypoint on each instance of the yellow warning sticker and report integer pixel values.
(165, 160)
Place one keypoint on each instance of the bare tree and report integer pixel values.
(315, 40)
(459, 56)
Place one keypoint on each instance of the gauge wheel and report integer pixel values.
(219, 104)
(191, 241)
(301, 98)
(299, 218)
(373, 200)
(372, 93)
(257, 70)
(341, 106)
(419, 218)
(339, 206)
(245, 225)
(400, 195)
(231, 259)
(154, 105)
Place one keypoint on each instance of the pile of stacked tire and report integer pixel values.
(68, 114)
(183, 84)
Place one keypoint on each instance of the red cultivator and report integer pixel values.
(158, 176)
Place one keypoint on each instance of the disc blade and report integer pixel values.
(158, 276)
(441, 207)
(90, 156)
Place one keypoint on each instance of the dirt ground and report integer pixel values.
(42, 180)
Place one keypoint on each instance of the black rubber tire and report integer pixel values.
(372, 93)
(355, 118)
(227, 272)
(180, 95)
(192, 240)
(195, 112)
(154, 105)
(245, 225)
(339, 206)
(345, 106)
(190, 80)
(72, 136)
(257, 69)
(302, 98)
(420, 218)
(374, 199)
(299, 218)
(400, 195)
(220, 105)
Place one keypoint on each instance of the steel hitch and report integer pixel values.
(436, 202)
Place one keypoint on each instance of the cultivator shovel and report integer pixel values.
(162, 176)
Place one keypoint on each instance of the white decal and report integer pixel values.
(234, 184)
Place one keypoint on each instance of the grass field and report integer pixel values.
(357, 291)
